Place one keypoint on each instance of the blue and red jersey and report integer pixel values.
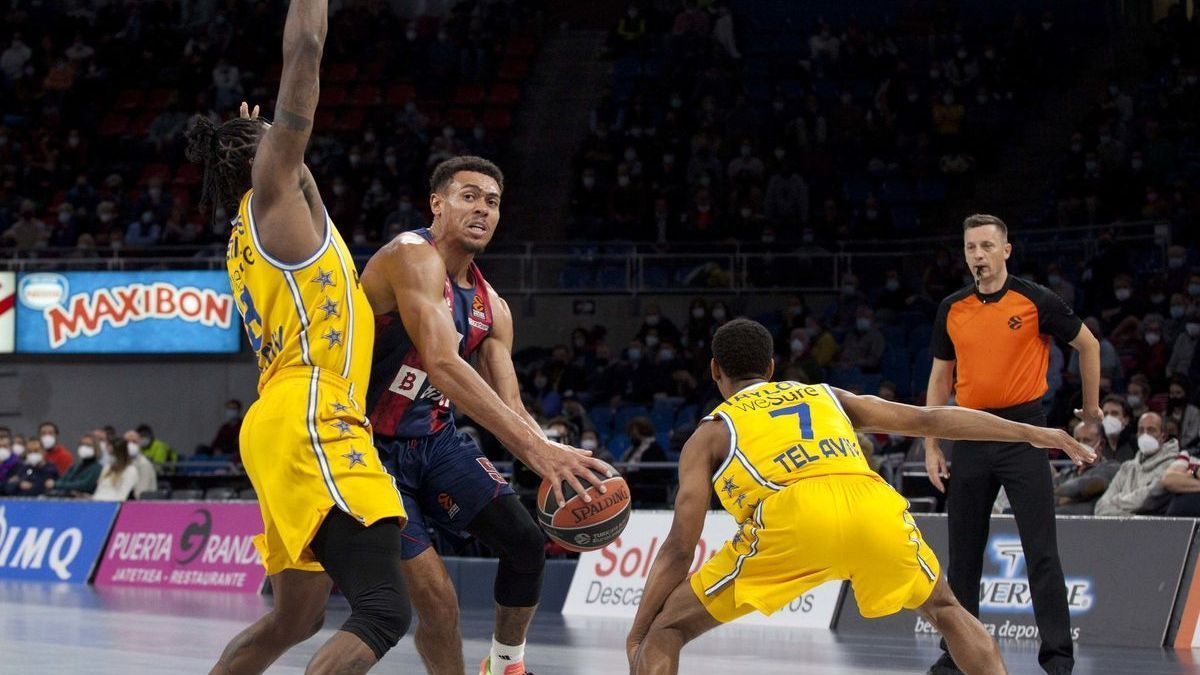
(401, 401)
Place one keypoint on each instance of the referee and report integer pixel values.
(997, 333)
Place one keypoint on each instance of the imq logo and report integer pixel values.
(1009, 591)
(31, 548)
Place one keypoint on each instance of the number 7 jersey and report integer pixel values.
(780, 433)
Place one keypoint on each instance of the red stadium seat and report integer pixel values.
(182, 195)
(498, 119)
(114, 124)
(351, 120)
(399, 94)
(520, 45)
(158, 98)
(366, 95)
(340, 73)
(130, 99)
(333, 96)
(374, 72)
(504, 94)
(324, 121)
(461, 118)
(141, 124)
(468, 95)
(162, 171)
(188, 175)
(513, 70)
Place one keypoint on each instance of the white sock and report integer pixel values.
(505, 655)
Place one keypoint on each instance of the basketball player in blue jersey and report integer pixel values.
(784, 460)
(433, 312)
(331, 513)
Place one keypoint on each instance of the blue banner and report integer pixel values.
(126, 313)
(52, 540)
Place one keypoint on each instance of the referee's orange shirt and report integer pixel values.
(1001, 341)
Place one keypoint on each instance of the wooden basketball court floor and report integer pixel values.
(49, 628)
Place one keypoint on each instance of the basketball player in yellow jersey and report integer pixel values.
(784, 461)
(331, 514)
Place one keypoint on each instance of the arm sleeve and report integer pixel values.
(1055, 317)
(940, 344)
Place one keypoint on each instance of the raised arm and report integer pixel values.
(495, 361)
(416, 275)
(289, 226)
(873, 414)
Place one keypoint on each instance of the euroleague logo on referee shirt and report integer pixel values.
(1015, 322)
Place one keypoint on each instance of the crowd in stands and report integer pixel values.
(760, 125)
(120, 81)
(1136, 156)
(105, 466)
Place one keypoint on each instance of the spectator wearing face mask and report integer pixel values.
(9, 460)
(657, 325)
(1137, 489)
(1077, 489)
(35, 476)
(1122, 441)
(589, 440)
(647, 485)
(864, 346)
(1184, 349)
(799, 364)
(1137, 395)
(147, 474)
(699, 325)
(1059, 284)
(1184, 413)
(55, 452)
(226, 441)
(1152, 351)
(121, 477)
(1122, 304)
(80, 480)
(155, 449)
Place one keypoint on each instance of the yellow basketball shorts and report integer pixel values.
(817, 530)
(306, 446)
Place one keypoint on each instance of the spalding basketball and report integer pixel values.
(585, 526)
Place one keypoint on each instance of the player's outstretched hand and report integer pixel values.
(556, 463)
(245, 113)
(1057, 438)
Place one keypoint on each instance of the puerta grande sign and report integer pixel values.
(1104, 591)
(206, 546)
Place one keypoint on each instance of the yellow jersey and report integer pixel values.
(780, 433)
(312, 314)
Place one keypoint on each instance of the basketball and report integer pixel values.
(583, 526)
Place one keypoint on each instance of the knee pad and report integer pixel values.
(379, 615)
(508, 529)
(364, 562)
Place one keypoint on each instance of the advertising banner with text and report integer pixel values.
(610, 582)
(8, 312)
(50, 540)
(1122, 576)
(126, 313)
(196, 545)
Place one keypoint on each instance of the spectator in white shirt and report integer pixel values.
(118, 480)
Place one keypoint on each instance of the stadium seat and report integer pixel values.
(498, 119)
(520, 45)
(130, 100)
(157, 99)
(188, 175)
(187, 495)
(504, 94)
(340, 73)
(160, 494)
(333, 95)
(461, 118)
(113, 124)
(219, 494)
(922, 505)
(248, 494)
(468, 95)
(365, 96)
(400, 94)
(514, 70)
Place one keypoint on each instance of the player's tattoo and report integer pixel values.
(292, 120)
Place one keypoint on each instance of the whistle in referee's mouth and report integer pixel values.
(978, 274)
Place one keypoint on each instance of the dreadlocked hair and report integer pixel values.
(224, 152)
